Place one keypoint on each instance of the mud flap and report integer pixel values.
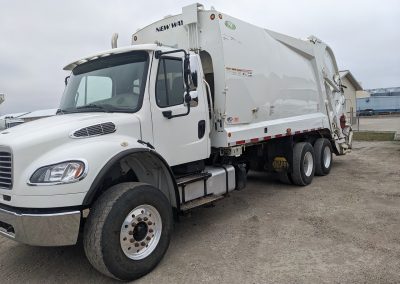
(240, 176)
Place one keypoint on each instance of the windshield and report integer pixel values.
(111, 84)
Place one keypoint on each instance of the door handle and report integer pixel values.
(201, 128)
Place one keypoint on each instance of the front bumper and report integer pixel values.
(40, 229)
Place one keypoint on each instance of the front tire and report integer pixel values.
(303, 164)
(128, 230)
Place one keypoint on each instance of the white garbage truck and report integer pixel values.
(170, 123)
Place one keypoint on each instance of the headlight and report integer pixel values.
(65, 172)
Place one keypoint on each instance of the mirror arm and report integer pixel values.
(168, 113)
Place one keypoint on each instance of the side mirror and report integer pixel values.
(194, 67)
(190, 68)
(194, 99)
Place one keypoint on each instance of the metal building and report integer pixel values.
(381, 101)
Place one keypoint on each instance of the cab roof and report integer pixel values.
(109, 52)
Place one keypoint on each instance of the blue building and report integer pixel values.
(381, 101)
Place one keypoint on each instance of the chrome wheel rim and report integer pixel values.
(308, 164)
(140, 232)
(327, 157)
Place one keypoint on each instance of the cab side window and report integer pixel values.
(169, 86)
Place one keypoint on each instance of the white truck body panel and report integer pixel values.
(265, 82)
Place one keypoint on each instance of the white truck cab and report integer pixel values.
(170, 123)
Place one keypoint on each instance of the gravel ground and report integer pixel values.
(343, 228)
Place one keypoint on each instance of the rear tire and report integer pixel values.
(323, 156)
(303, 164)
(128, 230)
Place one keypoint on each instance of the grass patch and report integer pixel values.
(374, 135)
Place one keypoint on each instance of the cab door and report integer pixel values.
(180, 139)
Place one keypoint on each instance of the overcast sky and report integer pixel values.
(38, 38)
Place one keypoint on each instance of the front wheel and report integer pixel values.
(128, 230)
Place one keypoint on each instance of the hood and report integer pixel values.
(59, 127)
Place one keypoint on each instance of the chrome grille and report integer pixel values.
(5, 168)
(95, 130)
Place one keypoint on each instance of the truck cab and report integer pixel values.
(150, 89)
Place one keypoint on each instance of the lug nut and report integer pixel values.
(149, 223)
(136, 244)
(132, 240)
(139, 219)
(134, 224)
(145, 219)
(142, 244)
(148, 238)
(150, 230)
(130, 233)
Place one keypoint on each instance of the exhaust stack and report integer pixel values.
(114, 40)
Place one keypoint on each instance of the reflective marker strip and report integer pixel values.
(265, 138)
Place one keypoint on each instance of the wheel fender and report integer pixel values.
(172, 194)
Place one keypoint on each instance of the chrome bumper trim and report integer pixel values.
(47, 229)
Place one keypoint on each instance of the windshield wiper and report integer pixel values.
(94, 107)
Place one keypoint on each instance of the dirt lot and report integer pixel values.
(344, 228)
(379, 123)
